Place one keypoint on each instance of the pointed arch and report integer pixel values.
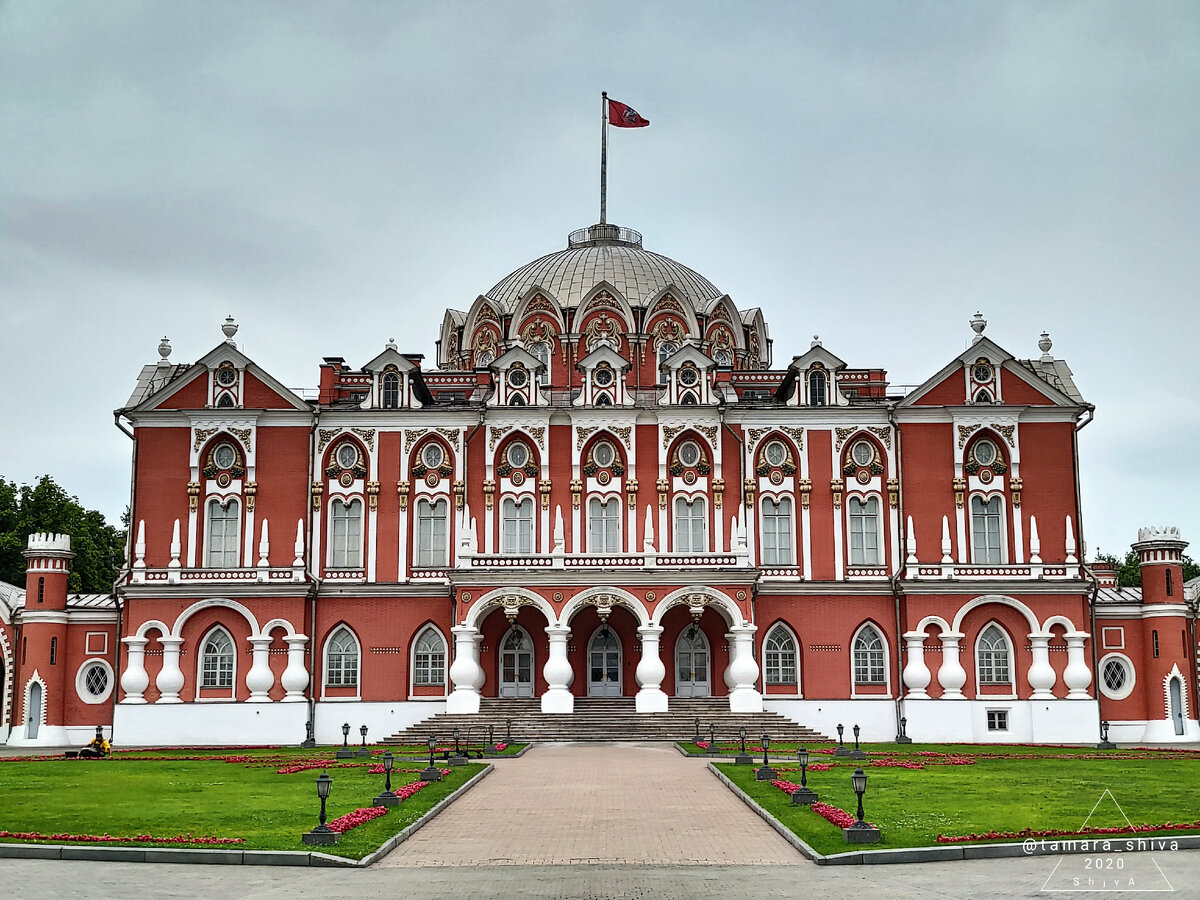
(429, 655)
(781, 656)
(870, 660)
(536, 299)
(994, 656)
(7, 687)
(660, 304)
(590, 305)
(341, 660)
(216, 663)
(32, 727)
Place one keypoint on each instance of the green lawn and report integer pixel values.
(170, 795)
(1036, 789)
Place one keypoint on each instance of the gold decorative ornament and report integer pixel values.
(576, 490)
(544, 488)
(489, 492)
(1016, 484)
(837, 486)
(250, 490)
(960, 488)
(631, 489)
(893, 487)
(193, 491)
(373, 494)
(402, 490)
(316, 490)
(718, 487)
(748, 488)
(459, 489)
(805, 492)
(663, 486)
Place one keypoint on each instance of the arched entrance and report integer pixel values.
(516, 663)
(1176, 709)
(692, 660)
(604, 664)
(33, 715)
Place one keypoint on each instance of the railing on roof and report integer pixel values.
(603, 234)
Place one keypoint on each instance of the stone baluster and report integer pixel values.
(295, 676)
(916, 673)
(170, 679)
(260, 679)
(1077, 675)
(464, 671)
(1041, 675)
(135, 680)
(650, 672)
(558, 673)
(951, 675)
(743, 670)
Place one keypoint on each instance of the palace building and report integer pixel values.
(609, 484)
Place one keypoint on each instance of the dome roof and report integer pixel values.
(603, 253)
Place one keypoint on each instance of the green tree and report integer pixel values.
(1129, 569)
(45, 506)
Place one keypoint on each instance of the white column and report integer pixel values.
(744, 698)
(1041, 675)
(134, 679)
(558, 674)
(951, 675)
(464, 671)
(295, 676)
(170, 679)
(650, 672)
(1077, 675)
(260, 679)
(916, 673)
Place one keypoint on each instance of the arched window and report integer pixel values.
(225, 401)
(217, 660)
(429, 658)
(391, 390)
(431, 531)
(779, 652)
(516, 520)
(604, 525)
(868, 657)
(221, 533)
(691, 526)
(666, 349)
(516, 400)
(603, 400)
(689, 399)
(864, 531)
(541, 352)
(341, 659)
(777, 532)
(345, 534)
(817, 383)
(992, 656)
(985, 531)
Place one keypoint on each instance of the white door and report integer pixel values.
(33, 715)
(516, 664)
(692, 664)
(1177, 705)
(604, 664)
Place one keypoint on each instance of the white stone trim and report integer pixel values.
(1130, 676)
(81, 681)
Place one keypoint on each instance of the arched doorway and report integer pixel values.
(33, 714)
(516, 663)
(692, 658)
(604, 664)
(1176, 709)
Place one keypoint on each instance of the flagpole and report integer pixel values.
(603, 156)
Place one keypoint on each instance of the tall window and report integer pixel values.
(780, 656)
(993, 657)
(985, 530)
(604, 525)
(391, 390)
(864, 531)
(345, 534)
(541, 352)
(341, 659)
(431, 533)
(816, 388)
(777, 532)
(868, 657)
(690, 526)
(516, 521)
(429, 667)
(216, 667)
(222, 533)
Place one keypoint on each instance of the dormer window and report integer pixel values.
(722, 358)
(518, 377)
(603, 376)
(226, 375)
(817, 385)
(689, 376)
(390, 393)
(982, 372)
(541, 352)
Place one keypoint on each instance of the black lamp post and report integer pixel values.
(344, 751)
(696, 736)
(387, 798)
(765, 772)
(860, 832)
(508, 731)
(432, 773)
(1105, 743)
(742, 759)
(857, 752)
(322, 834)
(804, 796)
(490, 749)
(364, 750)
(841, 749)
(457, 759)
(712, 738)
(310, 738)
(902, 737)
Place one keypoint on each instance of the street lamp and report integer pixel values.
(902, 737)
(490, 749)
(432, 773)
(840, 750)
(508, 731)
(322, 834)
(457, 759)
(857, 753)
(712, 738)
(860, 832)
(803, 796)
(344, 752)
(696, 736)
(1105, 743)
(742, 759)
(387, 798)
(765, 772)
(364, 750)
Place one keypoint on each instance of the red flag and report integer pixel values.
(623, 116)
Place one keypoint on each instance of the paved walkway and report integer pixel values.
(561, 804)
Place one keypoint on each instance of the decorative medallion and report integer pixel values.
(776, 477)
(741, 595)
(517, 477)
(432, 479)
(651, 596)
(604, 477)
(346, 479)
(466, 597)
(558, 596)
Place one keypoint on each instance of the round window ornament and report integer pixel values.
(433, 455)
(776, 453)
(689, 477)
(689, 454)
(688, 376)
(347, 456)
(226, 376)
(604, 477)
(604, 455)
(602, 377)
(224, 479)
(346, 479)
(518, 377)
(776, 477)
(982, 372)
(863, 476)
(224, 456)
(862, 453)
(985, 475)
(518, 477)
(518, 455)
(432, 479)
(985, 452)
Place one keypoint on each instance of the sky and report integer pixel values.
(333, 175)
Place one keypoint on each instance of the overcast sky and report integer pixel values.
(334, 174)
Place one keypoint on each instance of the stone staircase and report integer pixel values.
(597, 719)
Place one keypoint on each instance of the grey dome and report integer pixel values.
(591, 258)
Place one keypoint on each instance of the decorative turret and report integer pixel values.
(1160, 550)
(46, 571)
(1105, 572)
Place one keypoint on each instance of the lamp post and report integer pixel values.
(432, 773)
(765, 772)
(322, 834)
(902, 737)
(860, 832)
(712, 739)
(344, 752)
(387, 798)
(490, 749)
(742, 759)
(841, 749)
(310, 738)
(508, 731)
(1105, 743)
(457, 759)
(364, 750)
(696, 736)
(804, 796)
(857, 752)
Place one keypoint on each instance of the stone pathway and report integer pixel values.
(564, 804)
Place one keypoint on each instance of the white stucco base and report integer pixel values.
(51, 736)
(1154, 731)
(951, 721)
(234, 724)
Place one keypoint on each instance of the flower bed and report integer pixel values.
(110, 839)
(342, 824)
(826, 811)
(1055, 832)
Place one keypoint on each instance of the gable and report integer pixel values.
(256, 394)
(193, 395)
(948, 392)
(1017, 390)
